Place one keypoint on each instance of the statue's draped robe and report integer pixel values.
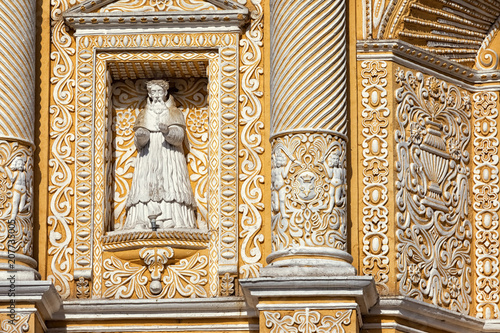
(160, 185)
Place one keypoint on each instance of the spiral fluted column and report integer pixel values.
(17, 111)
(308, 137)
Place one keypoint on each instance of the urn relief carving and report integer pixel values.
(434, 231)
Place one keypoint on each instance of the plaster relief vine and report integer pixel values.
(434, 232)
(16, 188)
(375, 172)
(61, 158)
(128, 98)
(251, 125)
(308, 191)
(486, 206)
(307, 321)
(20, 324)
(185, 278)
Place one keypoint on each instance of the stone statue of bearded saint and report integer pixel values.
(160, 189)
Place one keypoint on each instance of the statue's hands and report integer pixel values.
(175, 135)
(163, 128)
(141, 137)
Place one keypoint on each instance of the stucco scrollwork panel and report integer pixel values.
(61, 160)
(251, 150)
(305, 321)
(486, 206)
(434, 231)
(375, 122)
(187, 278)
(215, 130)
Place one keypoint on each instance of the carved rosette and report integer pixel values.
(486, 206)
(434, 231)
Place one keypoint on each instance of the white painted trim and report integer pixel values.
(127, 309)
(156, 328)
(394, 326)
(312, 306)
(408, 55)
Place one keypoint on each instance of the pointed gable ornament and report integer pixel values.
(92, 16)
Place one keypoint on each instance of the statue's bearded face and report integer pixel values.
(156, 93)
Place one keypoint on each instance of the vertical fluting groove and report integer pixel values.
(308, 66)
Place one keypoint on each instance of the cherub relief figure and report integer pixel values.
(18, 177)
(278, 175)
(161, 189)
(337, 180)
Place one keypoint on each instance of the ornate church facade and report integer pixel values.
(249, 166)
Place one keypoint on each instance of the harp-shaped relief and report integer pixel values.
(434, 232)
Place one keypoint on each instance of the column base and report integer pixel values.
(308, 261)
(21, 266)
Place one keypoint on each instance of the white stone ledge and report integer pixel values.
(158, 328)
(42, 293)
(426, 314)
(361, 288)
(126, 309)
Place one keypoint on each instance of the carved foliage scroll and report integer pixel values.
(375, 172)
(21, 323)
(486, 206)
(306, 321)
(187, 278)
(434, 232)
(251, 125)
(60, 252)
(308, 191)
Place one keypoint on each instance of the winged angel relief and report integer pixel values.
(434, 232)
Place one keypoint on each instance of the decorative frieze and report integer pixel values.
(485, 193)
(375, 122)
(250, 145)
(306, 321)
(434, 231)
(61, 162)
(20, 323)
(187, 278)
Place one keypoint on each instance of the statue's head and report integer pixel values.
(157, 90)
(18, 163)
(280, 159)
(334, 159)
